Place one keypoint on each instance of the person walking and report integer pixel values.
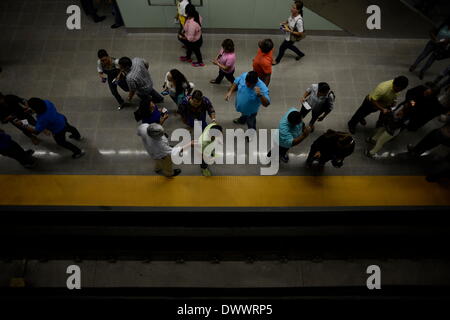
(437, 48)
(262, 63)
(427, 105)
(226, 61)
(381, 99)
(177, 86)
(192, 37)
(205, 139)
(11, 149)
(251, 93)
(137, 75)
(118, 20)
(49, 119)
(157, 146)
(332, 146)
(294, 30)
(108, 69)
(319, 100)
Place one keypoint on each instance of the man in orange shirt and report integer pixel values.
(262, 63)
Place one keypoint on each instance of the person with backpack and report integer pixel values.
(319, 100)
(294, 30)
(332, 146)
(177, 86)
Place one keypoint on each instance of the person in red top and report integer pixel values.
(262, 63)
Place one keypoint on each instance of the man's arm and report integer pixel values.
(231, 91)
(264, 100)
(303, 136)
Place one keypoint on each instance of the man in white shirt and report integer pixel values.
(293, 28)
(157, 146)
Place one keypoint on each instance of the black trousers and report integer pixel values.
(222, 74)
(113, 87)
(363, 111)
(288, 45)
(153, 94)
(431, 140)
(60, 138)
(15, 151)
(194, 47)
(88, 8)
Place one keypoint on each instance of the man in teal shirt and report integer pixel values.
(251, 93)
(292, 131)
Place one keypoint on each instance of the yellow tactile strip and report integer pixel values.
(229, 191)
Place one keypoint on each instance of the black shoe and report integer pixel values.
(115, 26)
(237, 121)
(363, 122)
(99, 19)
(158, 171)
(176, 172)
(29, 152)
(78, 155)
(299, 57)
(351, 129)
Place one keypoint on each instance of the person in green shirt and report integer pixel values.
(382, 99)
(205, 140)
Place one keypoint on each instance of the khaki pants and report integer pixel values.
(381, 137)
(165, 165)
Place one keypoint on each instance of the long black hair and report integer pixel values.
(179, 80)
(299, 5)
(194, 14)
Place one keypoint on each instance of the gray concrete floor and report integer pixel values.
(40, 57)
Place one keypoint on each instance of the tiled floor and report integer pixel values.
(40, 57)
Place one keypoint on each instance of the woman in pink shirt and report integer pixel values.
(226, 61)
(192, 37)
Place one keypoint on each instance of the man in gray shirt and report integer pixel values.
(320, 100)
(138, 79)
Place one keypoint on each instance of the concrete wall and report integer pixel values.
(233, 14)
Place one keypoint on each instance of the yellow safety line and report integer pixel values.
(229, 191)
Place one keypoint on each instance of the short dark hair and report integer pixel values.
(324, 87)
(266, 45)
(102, 53)
(295, 117)
(217, 127)
(125, 62)
(401, 82)
(228, 45)
(252, 77)
(37, 105)
(197, 95)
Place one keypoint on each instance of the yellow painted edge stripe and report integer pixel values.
(229, 191)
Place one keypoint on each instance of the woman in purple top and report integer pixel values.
(226, 61)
